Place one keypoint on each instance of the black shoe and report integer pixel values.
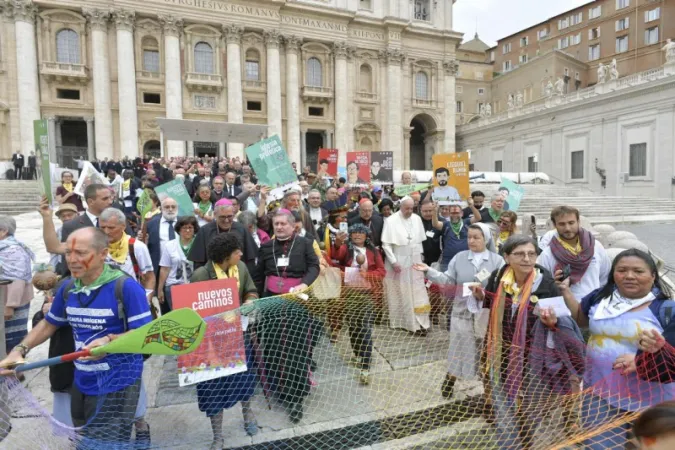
(448, 386)
(295, 412)
(143, 439)
(422, 333)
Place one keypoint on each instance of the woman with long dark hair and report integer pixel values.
(631, 307)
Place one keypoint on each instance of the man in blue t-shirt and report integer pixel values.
(106, 389)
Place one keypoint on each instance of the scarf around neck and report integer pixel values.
(232, 272)
(68, 187)
(109, 274)
(119, 250)
(457, 227)
(494, 214)
(578, 263)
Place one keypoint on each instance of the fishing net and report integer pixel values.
(339, 370)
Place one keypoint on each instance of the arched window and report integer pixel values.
(366, 78)
(421, 86)
(150, 54)
(67, 47)
(203, 58)
(252, 65)
(314, 73)
(366, 144)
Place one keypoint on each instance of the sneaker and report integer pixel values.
(448, 386)
(251, 428)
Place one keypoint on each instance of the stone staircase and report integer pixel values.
(540, 199)
(18, 197)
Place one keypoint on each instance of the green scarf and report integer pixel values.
(456, 227)
(204, 207)
(186, 250)
(109, 274)
(494, 214)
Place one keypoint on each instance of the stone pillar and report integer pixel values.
(98, 23)
(126, 83)
(235, 108)
(450, 69)
(91, 149)
(341, 101)
(28, 91)
(303, 151)
(394, 58)
(272, 40)
(293, 100)
(172, 75)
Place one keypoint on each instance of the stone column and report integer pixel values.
(293, 99)
(341, 101)
(235, 108)
(28, 91)
(98, 23)
(394, 93)
(272, 41)
(126, 82)
(172, 75)
(450, 69)
(91, 149)
(303, 150)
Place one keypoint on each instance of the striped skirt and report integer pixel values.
(16, 328)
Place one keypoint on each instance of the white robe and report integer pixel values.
(406, 292)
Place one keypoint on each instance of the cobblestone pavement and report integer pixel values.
(659, 237)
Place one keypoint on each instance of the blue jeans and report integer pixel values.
(596, 413)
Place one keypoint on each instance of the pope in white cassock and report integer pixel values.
(406, 293)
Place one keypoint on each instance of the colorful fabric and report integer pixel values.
(457, 227)
(204, 207)
(16, 328)
(15, 260)
(578, 262)
(496, 215)
(573, 249)
(119, 250)
(126, 184)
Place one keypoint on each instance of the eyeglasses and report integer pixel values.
(228, 217)
(522, 255)
(501, 222)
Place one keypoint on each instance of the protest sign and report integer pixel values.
(88, 176)
(222, 351)
(176, 190)
(512, 193)
(382, 167)
(42, 166)
(270, 162)
(451, 178)
(328, 162)
(407, 189)
(358, 168)
(144, 204)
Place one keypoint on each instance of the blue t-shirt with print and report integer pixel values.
(95, 316)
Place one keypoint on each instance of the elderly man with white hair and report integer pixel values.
(406, 293)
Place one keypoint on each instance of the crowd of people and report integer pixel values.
(371, 257)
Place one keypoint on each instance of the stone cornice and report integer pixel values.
(97, 18)
(272, 38)
(21, 10)
(124, 19)
(292, 43)
(172, 25)
(451, 67)
(233, 33)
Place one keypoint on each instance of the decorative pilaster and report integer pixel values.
(341, 51)
(235, 108)
(293, 99)
(272, 42)
(126, 81)
(393, 58)
(173, 27)
(23, 12)
(98, 20)
(450, 69)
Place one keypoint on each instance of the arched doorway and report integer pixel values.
(422, 127)
(152, 149)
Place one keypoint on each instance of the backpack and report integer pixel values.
(664, 310)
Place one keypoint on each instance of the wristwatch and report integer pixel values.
(23, 349)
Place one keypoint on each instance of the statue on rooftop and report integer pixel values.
(602, 73)
(510, 102)
(669, 50)
(548, 90)
(560, 86)
(613, 71)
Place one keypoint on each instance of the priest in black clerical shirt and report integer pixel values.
(223, 223)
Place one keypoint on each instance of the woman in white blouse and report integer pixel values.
(175, 268)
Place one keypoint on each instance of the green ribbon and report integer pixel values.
(109, 274)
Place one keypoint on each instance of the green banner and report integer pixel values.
(144, 203)
(176, 190)
(270, 162)
(407, 189)
(43, 169)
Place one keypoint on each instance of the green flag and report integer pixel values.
(408, 189)
(144, 204)
(270, 162)
(176, 190)
(42, 167)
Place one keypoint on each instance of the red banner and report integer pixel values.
(328, 162)
(358, 168)
(217, 301)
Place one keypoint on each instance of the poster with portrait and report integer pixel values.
(512, 193)
(451, 178)
(358, 169)
(382, 168)
(328, 162)
(89, 175)
(222, 351)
